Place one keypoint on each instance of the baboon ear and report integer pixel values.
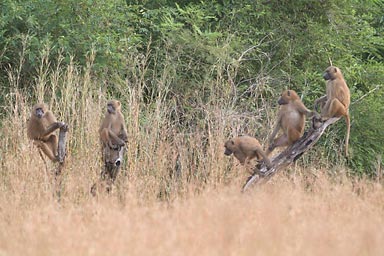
(232, 142)
(289, 93)
(335, 70)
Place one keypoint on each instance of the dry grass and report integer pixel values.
(283, 217)
(157, 208)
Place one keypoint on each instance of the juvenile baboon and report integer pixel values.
(337, 99)
(112, 130)
(40, 128)
(290, 119)
(245, 148)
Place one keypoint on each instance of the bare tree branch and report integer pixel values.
(289, 155)
(365, 95)
(62, 139)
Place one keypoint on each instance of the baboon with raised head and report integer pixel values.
(246, 148)
(337, 99)
(290, 119)
(40, 128)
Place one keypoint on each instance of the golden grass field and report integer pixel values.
(287, 216)
(312, 208)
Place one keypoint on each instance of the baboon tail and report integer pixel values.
(348, 122)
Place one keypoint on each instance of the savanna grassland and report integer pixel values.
(177, 194)
(189, 75)
(284, 217)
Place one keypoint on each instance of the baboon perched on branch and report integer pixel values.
(40, 128)
(336, 101)
(246, 148)
(113, 137)
(290, 119)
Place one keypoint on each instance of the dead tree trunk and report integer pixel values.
(62, 139)
(61, 157)
(289, 155)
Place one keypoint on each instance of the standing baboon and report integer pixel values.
(337, 99)
(40, 128)
(291, 119)
(245, 148)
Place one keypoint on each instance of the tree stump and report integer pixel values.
(62, 140)
(289, 155)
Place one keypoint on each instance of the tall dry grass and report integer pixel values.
(283, 217)
(177, 194)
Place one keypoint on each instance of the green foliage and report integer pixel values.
(236, 54)
(367, 135)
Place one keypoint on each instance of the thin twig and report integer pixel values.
(365, 95)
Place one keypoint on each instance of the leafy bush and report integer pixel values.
(238, 55)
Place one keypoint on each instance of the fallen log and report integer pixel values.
(289, 155)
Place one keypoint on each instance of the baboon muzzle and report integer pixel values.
(117, 163)
(227, 152)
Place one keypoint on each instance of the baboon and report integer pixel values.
(112, 158)
(291, 119)
(337, 99)
(40, 128)
(245, 148)
(113, 137)
(112, 130)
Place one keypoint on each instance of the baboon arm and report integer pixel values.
(52, 128)
(240, 156)
(265, 157)
(275, 130)
(123, 133)
(50, 119)
(115, 138)
(319, 100)
(304, 110)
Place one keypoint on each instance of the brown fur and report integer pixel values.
(112, 130)
(113, 136)
(112, 158)
(40, 128)
(337, 99)
(245, 148)
(291, 120)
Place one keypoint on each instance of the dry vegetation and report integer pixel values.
(156, 210)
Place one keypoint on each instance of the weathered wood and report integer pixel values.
(289, 155)
(62, 140)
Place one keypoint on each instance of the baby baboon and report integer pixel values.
(245, 148)
(40, 128)
(291, 119)
(337, 99)
(112, 130)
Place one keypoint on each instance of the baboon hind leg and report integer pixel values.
(47, 148)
